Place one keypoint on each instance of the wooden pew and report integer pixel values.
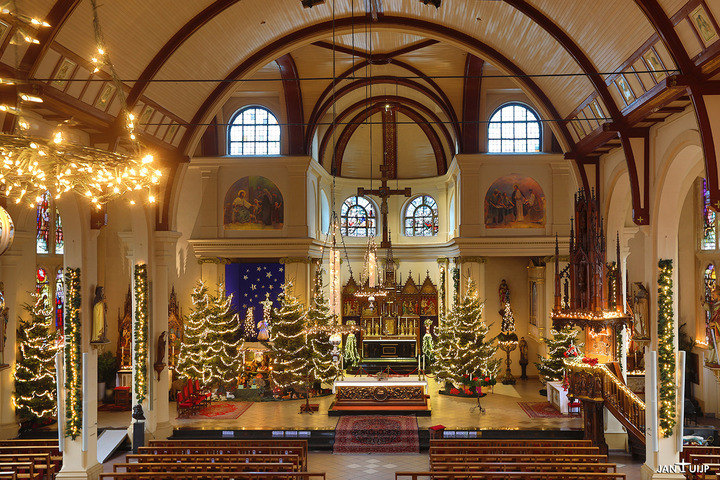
(481, 442)
(30, 442)
(471, 450)
(697, 450)
(229, 450)
(211, 476)
(526, 458)
(41, 462)
(508, 476)
(23, 470)
(53, 451)
(205, 467)
(523, 467)
(229, 443)
(218, 458)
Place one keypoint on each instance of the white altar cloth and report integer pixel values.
(409, 381)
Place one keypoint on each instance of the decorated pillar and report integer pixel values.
(538, 306)
(444, 287)
(162, 274)
(79, 387)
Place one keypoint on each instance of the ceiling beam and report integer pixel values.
(59, 13)
(472, 85)
(414, 104)
(293, 104)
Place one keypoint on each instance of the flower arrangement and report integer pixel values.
(590, 361)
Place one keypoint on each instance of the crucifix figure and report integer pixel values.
(384, 192)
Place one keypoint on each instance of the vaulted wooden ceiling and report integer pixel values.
(580, 57)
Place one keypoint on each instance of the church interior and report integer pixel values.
(359, 239)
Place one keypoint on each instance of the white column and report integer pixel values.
(162, 273)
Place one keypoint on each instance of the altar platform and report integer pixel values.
(368, 395)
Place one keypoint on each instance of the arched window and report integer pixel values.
(709, 282)
(50, 247)
(709, 227)
(358, 218)
(421, 217)
(254, 131)
(514, 128)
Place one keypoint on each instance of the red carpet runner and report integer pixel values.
(222, 410)
(377, 434)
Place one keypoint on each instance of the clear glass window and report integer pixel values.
(254, 131)
(514, 128)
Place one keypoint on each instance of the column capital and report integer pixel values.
(287, 260)
(215, 260)
(165, 243)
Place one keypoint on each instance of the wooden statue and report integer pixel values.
(640, 297)
(99, 320)
(159, 363)
(523, 346)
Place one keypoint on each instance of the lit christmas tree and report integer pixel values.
(319, 325)
(462, 344)
(290, 351)
(507, 328)
(35, 392)
(552, 367)
(211, 347)
(249, 324)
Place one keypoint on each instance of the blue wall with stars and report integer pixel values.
(249, 283)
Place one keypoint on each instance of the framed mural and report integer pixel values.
(253, 203)
(703, 25)
(514, 201)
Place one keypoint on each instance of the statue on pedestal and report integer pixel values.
(99, 320)
(523, 345)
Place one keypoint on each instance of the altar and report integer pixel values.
(372, 395)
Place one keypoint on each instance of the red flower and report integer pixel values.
(487, 379)
(475, 379)
(454, 391)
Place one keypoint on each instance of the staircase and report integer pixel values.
(602, 385)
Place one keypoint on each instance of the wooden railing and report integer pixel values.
(598, 382)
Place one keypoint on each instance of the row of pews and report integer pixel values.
(216, 459)
(701, 462)
(469, 459)
(29, 459)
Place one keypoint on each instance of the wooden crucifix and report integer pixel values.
(384, 192)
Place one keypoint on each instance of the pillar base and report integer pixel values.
(648, 473)
(92, 473)
(9, 430)
(163, 431)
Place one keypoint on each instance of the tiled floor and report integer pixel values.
(501, 412)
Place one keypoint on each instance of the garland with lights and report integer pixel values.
(34, 375)
(140, 332)
(456, 284)
(212, 341)
(73, 354)
(666, 350)
(441, 296)
(351, 354)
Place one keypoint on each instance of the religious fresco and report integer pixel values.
(514, 201)
(253, 203)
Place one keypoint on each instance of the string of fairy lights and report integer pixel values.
(73, 345)
(666, 350)
(140, 332)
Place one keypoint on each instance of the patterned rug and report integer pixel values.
(543, 410)
(222, 410)
(377, 434)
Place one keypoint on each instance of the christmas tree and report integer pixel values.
(35, 392)
(290, 351)
(463, 347)
(552, 367)
(212, 343)
(319, 322)
(507, 328)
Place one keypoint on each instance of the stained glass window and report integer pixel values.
(709, 239)
(358, 218)
(254, 131)
(421, 217)
(42, 287)
(59, 240)
(43, 224)
(514, 128)
(709, 282)
(59, 299)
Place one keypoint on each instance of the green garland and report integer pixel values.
(73, 354)
(352, 357)
(441, 296)
(666, 349)
(140, 332)
(456, 284)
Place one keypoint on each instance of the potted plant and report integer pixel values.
(107, 369)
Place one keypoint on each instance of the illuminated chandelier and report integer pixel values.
(368, 278)
(31, 166)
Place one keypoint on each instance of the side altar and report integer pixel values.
(373, 395)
